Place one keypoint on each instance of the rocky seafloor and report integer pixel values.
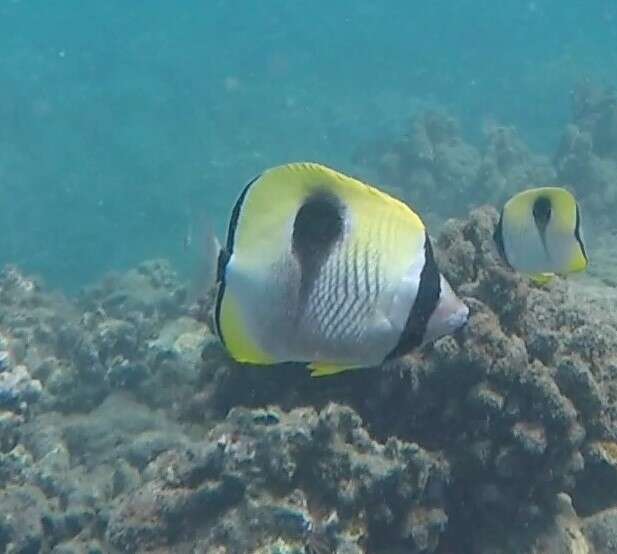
(124, 426)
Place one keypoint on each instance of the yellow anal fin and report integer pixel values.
(237, 338)
(578, 262)
(323, 369)
(542, 278)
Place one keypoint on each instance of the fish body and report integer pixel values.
(540, 233)
(323, 269)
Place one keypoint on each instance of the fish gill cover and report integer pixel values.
(124, 425)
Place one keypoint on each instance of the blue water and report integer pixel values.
(122, 122)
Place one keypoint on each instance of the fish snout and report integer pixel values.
(450, 314)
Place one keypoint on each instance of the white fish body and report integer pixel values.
(323, 269)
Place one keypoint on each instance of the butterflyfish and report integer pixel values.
(320, 268)
(540, 233)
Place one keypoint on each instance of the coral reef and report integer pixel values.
(432, 166)
(587, 156)
(601, 529)
(127, 427)
(256, 473)
(514, 403)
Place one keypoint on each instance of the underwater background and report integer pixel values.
(127, 128)
(122, 121)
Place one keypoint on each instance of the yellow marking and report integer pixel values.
(238, 342)
(542, 278)
(519, 207)
(577, 262)
(323, 369)
(563, 206)
(376, 221)
(263, 234)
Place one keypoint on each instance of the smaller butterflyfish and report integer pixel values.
(320, 268)
(539, 233)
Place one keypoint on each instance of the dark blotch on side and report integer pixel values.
(426, 301)
(542, 212)
(318, 226)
